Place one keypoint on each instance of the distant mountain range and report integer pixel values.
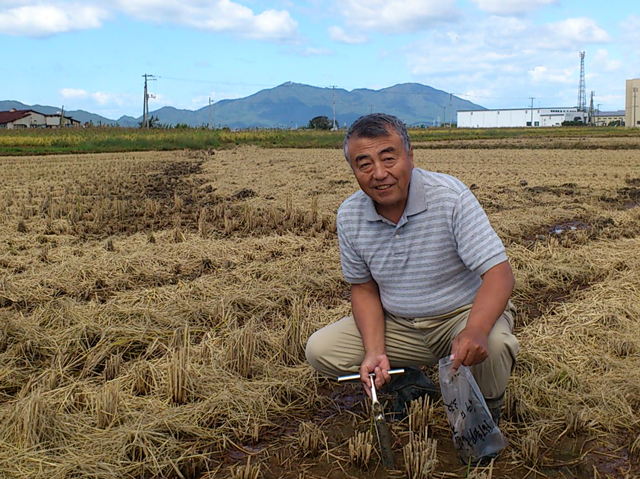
(291, 105)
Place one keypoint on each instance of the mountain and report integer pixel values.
(293, 104)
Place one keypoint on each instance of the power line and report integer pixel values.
(197, 80)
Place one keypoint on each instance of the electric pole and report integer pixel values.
(635, 93)
(334, 126)
(450, 108)
(210, 115)
(531, 98)
(61, 116)
(145, 107)
(591, 108)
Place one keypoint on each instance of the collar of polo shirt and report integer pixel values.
(416, 202)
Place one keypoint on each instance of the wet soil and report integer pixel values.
(568, 457)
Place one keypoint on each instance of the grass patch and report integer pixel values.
(112, 140)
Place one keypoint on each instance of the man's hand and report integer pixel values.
(378, 364)
(369, 317)
(469, 348)
(470, 345)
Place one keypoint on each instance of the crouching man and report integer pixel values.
(429, 276)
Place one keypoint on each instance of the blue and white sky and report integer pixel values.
(91, 54)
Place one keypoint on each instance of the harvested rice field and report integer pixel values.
(155, 307)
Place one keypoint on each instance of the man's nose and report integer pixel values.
(379, 171)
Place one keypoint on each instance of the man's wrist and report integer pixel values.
(479, 326)
(375, 351)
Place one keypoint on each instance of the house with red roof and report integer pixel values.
(32, 119)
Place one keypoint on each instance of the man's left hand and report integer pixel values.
(469, 348)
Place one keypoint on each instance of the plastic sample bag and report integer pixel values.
(475, 434)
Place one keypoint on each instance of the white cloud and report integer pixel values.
(542, 74)
(602, 63)
(496, 63)
(315, 52)
(631, 29)
(475, 49)
(396, 16)
(42, 19)
(511, 7)
(215, 16)
(73, 93)
(337, 34)
(609, 100)
(500, 62)
(100, 98)
(573, 32)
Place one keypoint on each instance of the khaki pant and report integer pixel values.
(337, 350)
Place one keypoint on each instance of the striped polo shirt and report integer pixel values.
(429, 263)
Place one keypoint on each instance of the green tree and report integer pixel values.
(320, 123)
(154, 122)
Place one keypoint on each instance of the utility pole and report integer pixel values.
(210, 116)
(61, 116)
(531, 98)
(444, 116)
(635, 93)
(598, 113)
(145, 107)
(591, 108)
(333, 125)
(450, 108)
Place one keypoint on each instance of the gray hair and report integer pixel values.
(376, 125)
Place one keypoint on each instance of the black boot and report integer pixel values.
(411, 385)
(495, 408)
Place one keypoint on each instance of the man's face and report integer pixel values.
(383, 170)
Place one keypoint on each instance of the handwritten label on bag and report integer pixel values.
(472, 427)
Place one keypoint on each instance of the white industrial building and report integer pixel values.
(632, 103)
(606, 118)
(518, 117)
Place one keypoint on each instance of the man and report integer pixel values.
(429, 276)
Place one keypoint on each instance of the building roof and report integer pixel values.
(571, 109)
(610, 113)
(13, 115)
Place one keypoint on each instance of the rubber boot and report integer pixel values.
(495, 408)
(411, 385)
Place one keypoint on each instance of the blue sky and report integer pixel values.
(91, 54)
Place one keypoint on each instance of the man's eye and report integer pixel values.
(364, 166)
(389, 159)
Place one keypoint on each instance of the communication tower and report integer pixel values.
(582, 89)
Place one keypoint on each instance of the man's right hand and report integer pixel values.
(377, 363)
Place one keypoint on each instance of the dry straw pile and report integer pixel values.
(155, 308)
